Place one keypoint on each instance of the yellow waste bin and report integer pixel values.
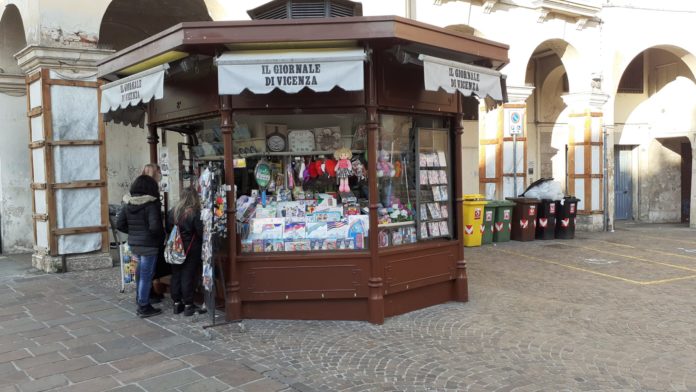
(473, 218)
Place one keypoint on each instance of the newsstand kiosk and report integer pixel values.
(342, 137)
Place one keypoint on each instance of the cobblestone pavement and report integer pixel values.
(604, 312)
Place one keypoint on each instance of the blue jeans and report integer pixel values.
(146, 269)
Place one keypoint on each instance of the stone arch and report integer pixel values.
(570, 59)
(12, 39)
(554, 69)
(623, 62)
(126, 22)
(666, 105)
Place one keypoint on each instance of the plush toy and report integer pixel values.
(344, 168)
(330, 166)
(384, 167)
(397, 169)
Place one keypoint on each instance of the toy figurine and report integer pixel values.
(344, 168)
(384, 167)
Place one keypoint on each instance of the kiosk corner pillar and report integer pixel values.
(375, 282)
(233, 304)
(152, 141)
(461, 281)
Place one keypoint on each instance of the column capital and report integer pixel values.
(34, 57)
(519, 94)
(579, 102)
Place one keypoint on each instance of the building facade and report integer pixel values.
(608, 104)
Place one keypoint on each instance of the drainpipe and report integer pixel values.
(606, 180)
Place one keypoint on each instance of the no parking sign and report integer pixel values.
(514, 121)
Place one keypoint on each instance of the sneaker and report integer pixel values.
(148, 311)
(178, 307)
(190, 310)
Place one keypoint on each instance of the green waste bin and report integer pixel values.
(502, 218)
(488, 219)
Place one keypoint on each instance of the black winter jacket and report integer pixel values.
(190, 228)
(141, 218)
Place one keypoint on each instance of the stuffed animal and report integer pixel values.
(384, 167)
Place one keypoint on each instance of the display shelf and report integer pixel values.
(434, 193)
(396, 224)
(288, 153)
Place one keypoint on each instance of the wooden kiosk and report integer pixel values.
(392, 109)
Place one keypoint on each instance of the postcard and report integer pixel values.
(423, 160)
(434, 228)
(434, 210)
(433, 177)
(424, 177)
(443, 176)
(443, 211)
(337, 229)
(423, 230)
(267, 228)
(316, 230)
(423, 212)
(295, 230)
(444, 228)
(442, 159)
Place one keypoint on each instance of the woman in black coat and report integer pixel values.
(141, 218)
(186, 215)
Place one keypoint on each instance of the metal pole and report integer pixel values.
(514, 164)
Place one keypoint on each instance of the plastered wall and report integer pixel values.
(660, 180)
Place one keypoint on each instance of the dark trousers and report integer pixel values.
(184, 281)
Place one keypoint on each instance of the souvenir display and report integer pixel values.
(275, 142)
(327, 138)
(304, 203)
(433, 186)
(301, 140)
(300, 198)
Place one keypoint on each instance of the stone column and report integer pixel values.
(15, 198)
(586, 157)
(68, 158)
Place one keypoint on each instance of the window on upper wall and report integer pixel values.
(632, 78)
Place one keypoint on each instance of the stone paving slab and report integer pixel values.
(541, 317)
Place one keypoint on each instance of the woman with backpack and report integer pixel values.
(141, 219)
(186, 215)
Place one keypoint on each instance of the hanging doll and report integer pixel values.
(344, 168)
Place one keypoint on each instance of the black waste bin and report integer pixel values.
(546, 220)
(566, 210)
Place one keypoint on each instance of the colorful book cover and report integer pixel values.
(295, 230)
(337, 229)
(316, 230)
